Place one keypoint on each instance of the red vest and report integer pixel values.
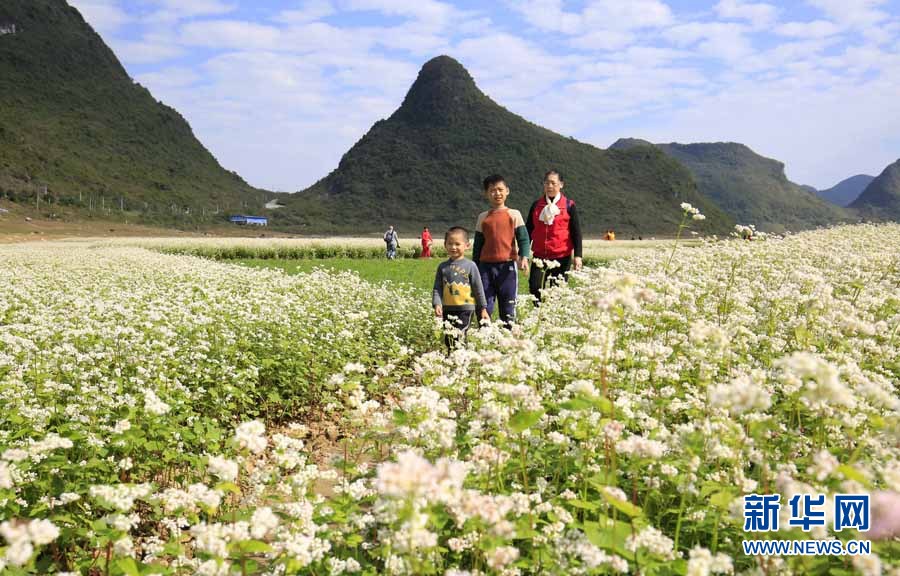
(551, 241)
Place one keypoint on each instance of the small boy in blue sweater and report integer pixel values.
(458, 293)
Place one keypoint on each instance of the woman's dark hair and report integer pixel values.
(552, 171)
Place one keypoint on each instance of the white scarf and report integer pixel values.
(550, 210)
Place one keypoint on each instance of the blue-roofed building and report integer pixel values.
(249, 220)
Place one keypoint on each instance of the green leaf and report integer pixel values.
(228, 487)
(853, 474)
(722, 499)
(254, 547)
(128, 566)
(576, 404)
(603, 404)
(400, 418)
(583, 504)
(608, 534)
(602, 479)
(622, 506)
(524, 419)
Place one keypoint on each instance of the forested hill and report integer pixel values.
(749, 187)
(74, 123)
(424, 165)
(881, 198)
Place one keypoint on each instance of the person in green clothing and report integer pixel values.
(458, 293)
(498, 231)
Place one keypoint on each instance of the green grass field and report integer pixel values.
(413, 271)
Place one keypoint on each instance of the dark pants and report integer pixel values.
(539, 277)
(460, 321)
(501, 283)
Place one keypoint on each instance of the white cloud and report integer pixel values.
(861, 59)
(852, 13)
(606, 40)
(409, 38)
(150, 49)
(326, 41)
(309, 11)
(105, 16)
(171, 11)
(631, 15)
(720, 40)
(430, 14)
(814, 29)
(776, 58)
(548, 15)
(168, 78)
(509, 67)
(597, 18)
(231, 34)
(759, 14)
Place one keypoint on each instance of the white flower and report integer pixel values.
(223, 468)
(251, 435)
(262, 522)
(501, 556)
(42, 531)
(6, 481)
(153, 404)
(124, 547)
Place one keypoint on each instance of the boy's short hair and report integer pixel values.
(456, 230)
(491, 180)
(554, 171)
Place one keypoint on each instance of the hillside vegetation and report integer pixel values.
(881, 198)
(76, 130)
(749, 187)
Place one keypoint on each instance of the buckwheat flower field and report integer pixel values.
(169, 414)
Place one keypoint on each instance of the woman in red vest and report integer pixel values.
(426, 243)
(555, 234)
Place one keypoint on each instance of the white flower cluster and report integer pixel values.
(120, 497)
(197, 495)
(21, 538)
(413, 475)
(153, 405)
(251, 436)
(694, 212)
(741, 395)
(223, 468)
(703, 563)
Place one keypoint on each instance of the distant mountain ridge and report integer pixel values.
(424, 165)
(751, 188)
(881, 198)
(846, 191)
(73, 121)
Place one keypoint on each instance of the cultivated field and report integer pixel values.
(163, 413)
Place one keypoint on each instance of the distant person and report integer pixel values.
(497, 233)
(391, 242)
(555, 234)
(426, 243)
(458, 292)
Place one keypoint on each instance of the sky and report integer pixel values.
(279, 90)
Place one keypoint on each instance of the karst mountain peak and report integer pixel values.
(443, 92)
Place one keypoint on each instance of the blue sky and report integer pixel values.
(279, 90)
